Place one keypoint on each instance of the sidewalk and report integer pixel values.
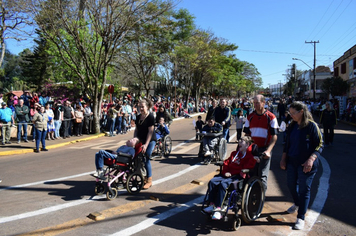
(22, 148)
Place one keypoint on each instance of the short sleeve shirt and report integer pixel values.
(142, 128)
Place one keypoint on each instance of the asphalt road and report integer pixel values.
(52, 193)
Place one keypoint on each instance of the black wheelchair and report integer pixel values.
(219, 151)
(246, 194)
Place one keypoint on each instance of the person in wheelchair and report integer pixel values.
(129, 148)
(232, 168)
(162, 129)
(210, 142)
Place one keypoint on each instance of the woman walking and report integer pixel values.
(145, 133)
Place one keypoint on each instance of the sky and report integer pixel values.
(269, 33)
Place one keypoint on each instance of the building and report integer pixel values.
(345, 67)
(276, 90)
(305, 82)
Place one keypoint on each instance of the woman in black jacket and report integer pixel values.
(304, 144)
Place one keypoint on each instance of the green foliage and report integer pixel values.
(335, 86)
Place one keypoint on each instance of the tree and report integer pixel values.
(14, 19)
(88, 35)
(335, 86)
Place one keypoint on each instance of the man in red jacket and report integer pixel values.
(231, 171)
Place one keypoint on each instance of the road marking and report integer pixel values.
(77, 202)
(319, 201)
(158, 218)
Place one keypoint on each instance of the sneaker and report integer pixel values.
(18, 142)
(44, 149)
(292, 209)
(0, 180)
(37, 151)
(101, 175)
(8, 142)
(208, 153)
(26, 141)
(208, 209)
(3, 143)
(299, 224)
(33, 140)
(216, 216)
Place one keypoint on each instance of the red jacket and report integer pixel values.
(239, 163)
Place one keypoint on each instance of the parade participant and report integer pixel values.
(210, 142)
(328, 119)
(162, 129)
(5, 123)
(129, 148)
(231, 171)
(40, 120)
(144, 131)
(300, 158)
(240, 121)
(163, 113)
(262, 126)
(22, 119)
(199, 127)
(211, 110)
(223, 116)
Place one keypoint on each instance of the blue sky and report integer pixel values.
(269, 33)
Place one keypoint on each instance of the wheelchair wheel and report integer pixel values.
(99, 188)
(111, 195)
(222, 149)
(236, 223)
(252, 200)
(167, 145)
(134, 183)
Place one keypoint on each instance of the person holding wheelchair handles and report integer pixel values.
(144, 131)
(231, 171)
(304, 144)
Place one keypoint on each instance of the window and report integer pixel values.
(336, 72)
(343, 68)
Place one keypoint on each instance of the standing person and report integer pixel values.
(50, 124)
(87, 117)
(5, 123)
(58, 118)
(262, 126)
(145, 133)
(211, 110)
(22, 118)
(223, 116)
(112, 117)
(240, 121)
(198, 127)
(78, 121)
(40, 120)
(162, 112)
(67, 117)
(300, 158)
(281, 110)
(328, 119)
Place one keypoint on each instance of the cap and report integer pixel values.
(3, 103)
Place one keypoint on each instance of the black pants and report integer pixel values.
(65, 124)
(328, 134)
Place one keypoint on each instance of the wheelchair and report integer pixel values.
(123, 172)
(219, 151)
(246, 194)
(163, 146)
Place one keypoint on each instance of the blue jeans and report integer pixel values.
(118, 124)
(19, 130)
(40, 137)
(99, 158)
(149, 151)
(217, 189)
(225, 133)
(299, 184)
(57, 127)
(112, 125)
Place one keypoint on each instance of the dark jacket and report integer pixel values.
(216, 128)
(22, 113)
(311, 141)
(223, 114)
(328, 118)
(167, 117)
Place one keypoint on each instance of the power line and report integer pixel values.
(287, 53)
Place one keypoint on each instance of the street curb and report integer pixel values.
(50, 146)
(346, 122)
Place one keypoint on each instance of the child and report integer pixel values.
(199, 127)
(240, 121)
(162, 129)
(231, 171)
(129, 148)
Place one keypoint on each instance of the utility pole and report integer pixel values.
(314, 72)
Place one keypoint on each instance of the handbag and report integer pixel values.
(78, 120)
